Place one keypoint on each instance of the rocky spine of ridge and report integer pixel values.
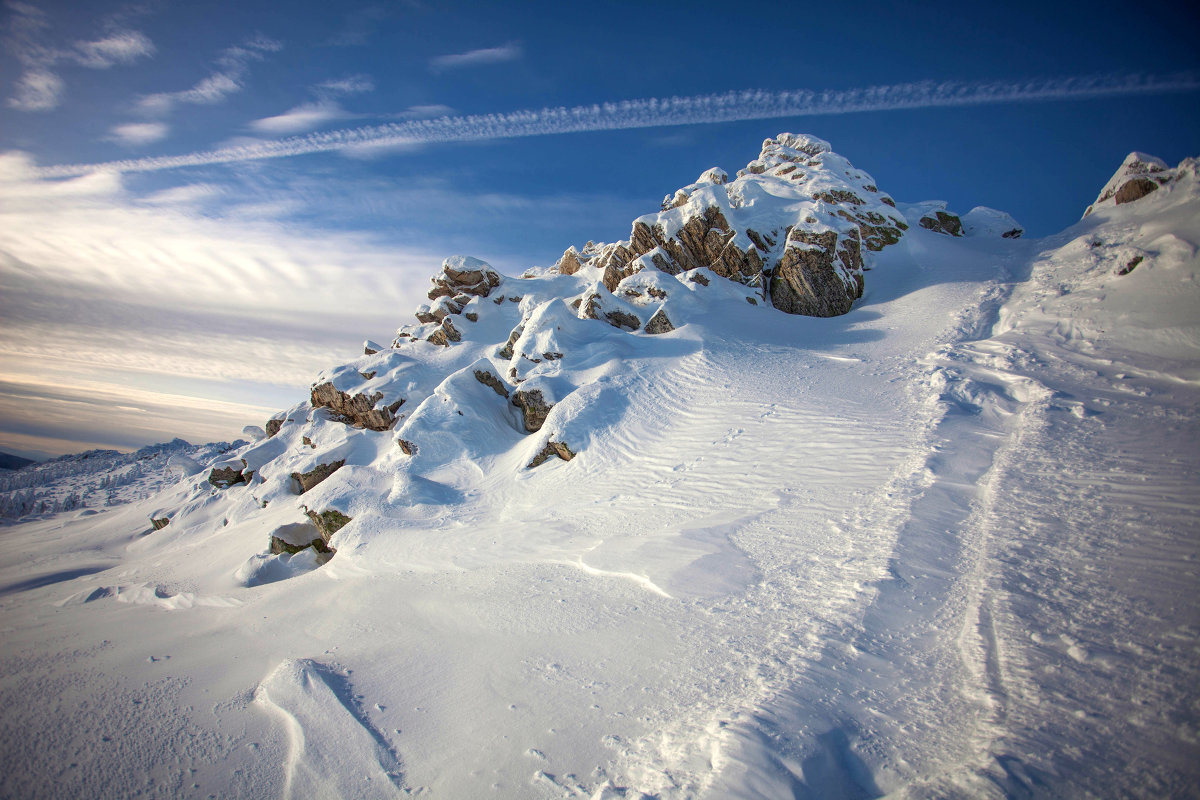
(798, 223)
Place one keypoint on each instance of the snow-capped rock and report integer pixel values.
(1138, 176)
(794, 224)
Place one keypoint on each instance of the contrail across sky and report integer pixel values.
(657, 112)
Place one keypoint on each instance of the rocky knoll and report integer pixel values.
(1139, 176)
(795, 223)
(510, 373)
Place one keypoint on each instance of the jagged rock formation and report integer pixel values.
(1139, 176)
(534, 408)
(798, 197)
(357, 409)
(328, 522)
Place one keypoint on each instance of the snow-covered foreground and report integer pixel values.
(943, 545)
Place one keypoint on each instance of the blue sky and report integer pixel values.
(149, 292)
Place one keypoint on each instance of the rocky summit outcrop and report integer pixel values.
(799, 219)
(1139, 176)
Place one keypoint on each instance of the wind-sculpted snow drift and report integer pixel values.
(799, 491)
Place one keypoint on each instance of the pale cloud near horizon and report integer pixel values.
(146, 302)
(659, 112)
(40, 87)
(473, 58)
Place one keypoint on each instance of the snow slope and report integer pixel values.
(941, 545)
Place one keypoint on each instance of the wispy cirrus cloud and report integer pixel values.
(352, 84)
(305, 117)
(139, 133)
(474, 58)
(40, 87)
(324, 110)
(660, 112)
(232, 66)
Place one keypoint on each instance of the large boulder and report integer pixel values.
(812, 278)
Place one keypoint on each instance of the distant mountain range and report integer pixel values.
(9, 461)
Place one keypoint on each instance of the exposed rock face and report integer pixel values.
(1134, 189)
(599, 303)
(160, 522)
(279, 546)
(358, 410)
(1138, 176)
(490, 380)
(328, 522)
(307, 480)
(569, 264)
(445, 334)
(552, 449)
(534, 406)
(797, 190)
(464, 275)
(226, 476)
(273, 426)
(809, 281)
(942, 222)
(659, 323)
(298, 537)
(1130, 265)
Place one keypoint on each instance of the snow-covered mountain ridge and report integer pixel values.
(941, 545)
(526, 366)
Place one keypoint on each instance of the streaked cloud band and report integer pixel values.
(658, 112)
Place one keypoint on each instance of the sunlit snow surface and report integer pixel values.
(942, 546)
